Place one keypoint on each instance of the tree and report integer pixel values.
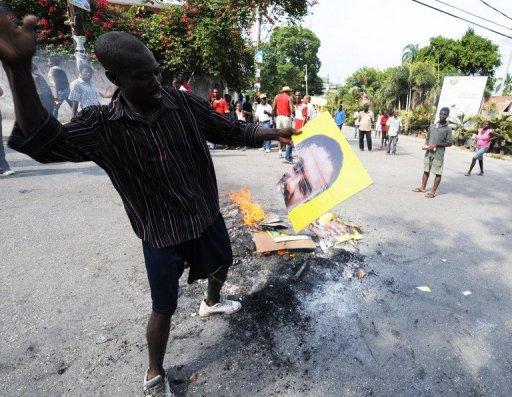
(410, 53)
(289, 49)
(505, 85)
(471, 55)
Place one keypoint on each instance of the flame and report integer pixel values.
(252, 212)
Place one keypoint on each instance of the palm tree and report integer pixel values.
(410, 53)
(507, 85)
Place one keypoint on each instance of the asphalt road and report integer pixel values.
(75, 298)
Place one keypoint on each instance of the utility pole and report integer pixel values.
(306, 79)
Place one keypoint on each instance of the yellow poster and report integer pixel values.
(326, 173)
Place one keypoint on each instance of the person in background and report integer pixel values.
(247, 108)
(483, 143)
(340, 116)
(311, 109)
(356, 123)
(43, 89)
(263, 117)
(240, 114)
(365, 127)
(5, 170)
(384, 129)
(82, 93)
(211, 93)
(439, 137)
(298, 114)
(283, 110)
(394, 125)
(219, 104)
(59, 84)
(378, 126)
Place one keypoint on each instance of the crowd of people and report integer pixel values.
(54, 90)
(286, 110)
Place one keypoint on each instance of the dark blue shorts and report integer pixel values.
(205, 255)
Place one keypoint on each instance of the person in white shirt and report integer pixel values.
(311, 109)
(240, 114)
(264, 118)
(366, 121)
(395, 125)
(378, 127)
(356, 123)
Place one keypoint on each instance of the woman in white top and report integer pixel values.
(378, 127)
(240, 114)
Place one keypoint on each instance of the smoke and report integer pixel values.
(68, 64)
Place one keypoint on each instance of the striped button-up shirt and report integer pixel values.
(162, 169)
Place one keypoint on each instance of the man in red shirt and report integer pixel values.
(219, 104)
(384, 128)
(283, 109)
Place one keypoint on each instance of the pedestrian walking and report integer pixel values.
(384, 129)
(484, 139)
(439, 137)
(43, 89)
(264, 118)
(378, 127)
(283, 109)
(5, 170)
(356, 123)
(59, 84)
(82, 93)
(340, 117)
(151, 142)
(394, 125)
(366, 120)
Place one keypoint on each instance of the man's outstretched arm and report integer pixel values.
(17, 47)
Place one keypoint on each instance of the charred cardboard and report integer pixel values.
(265, 243)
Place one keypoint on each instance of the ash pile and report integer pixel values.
(276, 286)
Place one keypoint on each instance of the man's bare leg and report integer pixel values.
(157, 334)
(437, 181)
(424, 180)
(215, 283)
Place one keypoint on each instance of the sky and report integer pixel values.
(357, 33)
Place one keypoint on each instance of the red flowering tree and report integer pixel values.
(52, 31)
(200, 37)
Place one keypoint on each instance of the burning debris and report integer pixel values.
(253, 213)
(269, 232)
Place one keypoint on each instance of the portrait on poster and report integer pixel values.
(326, 173)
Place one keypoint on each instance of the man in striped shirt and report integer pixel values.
(151, 141)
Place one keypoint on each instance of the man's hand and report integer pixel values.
(285, 135)
(432, 146)
(17, 46)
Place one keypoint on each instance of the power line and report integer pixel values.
(463, 19)
(495, 9)
(474, 15)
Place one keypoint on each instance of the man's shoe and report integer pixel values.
(267, 150)
(261, 149)
(225, 306)
(280, 153)
(157, 387)
(7, 173)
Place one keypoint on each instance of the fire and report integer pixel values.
(253, 213)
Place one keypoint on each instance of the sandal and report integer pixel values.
(418, 190)
(430, 195)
